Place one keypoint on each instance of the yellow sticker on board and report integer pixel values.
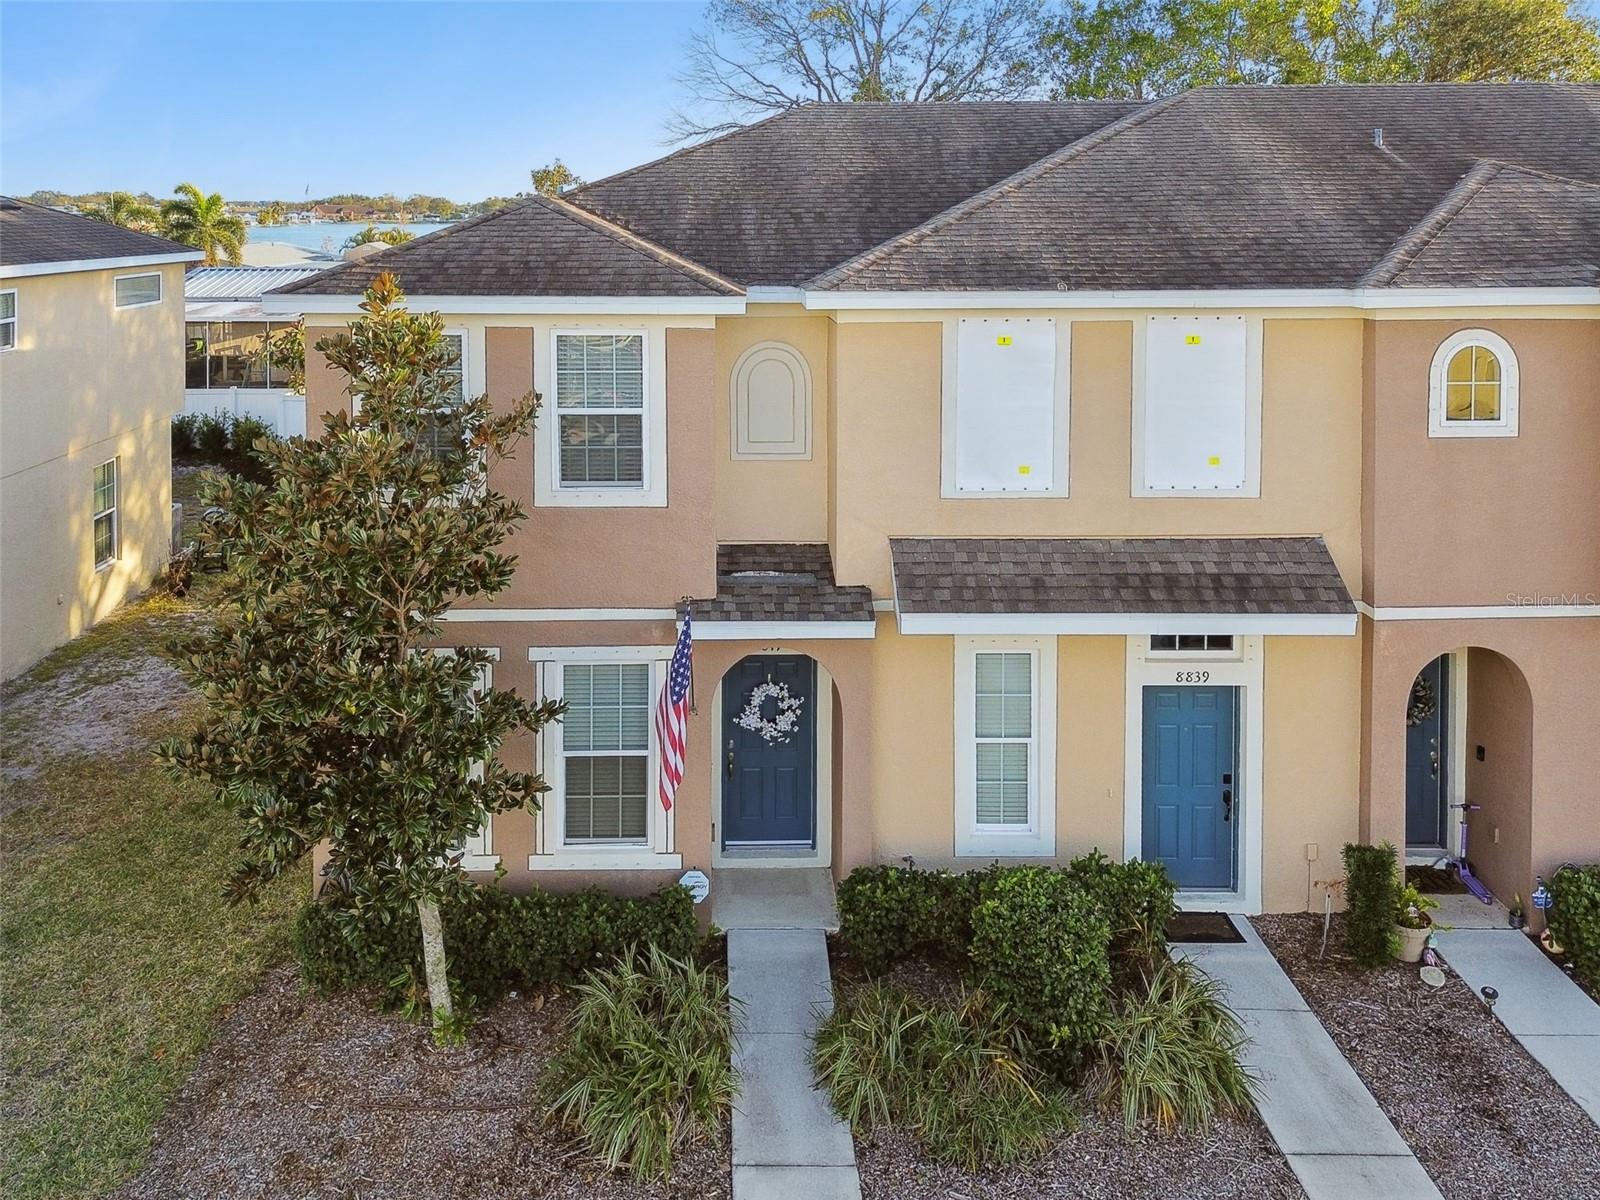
(1192, 339)
(1024, 470)
(1213, 461)
(1003, 340)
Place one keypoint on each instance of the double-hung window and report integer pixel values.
(135, 291)
(106, 532)
(477, 849)
(605, 749)
(445, 434)
(600, 410)
(8, 319)
(1005, 746)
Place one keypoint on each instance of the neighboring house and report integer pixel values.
(1091, 474)
(225, 337)
(91, 371)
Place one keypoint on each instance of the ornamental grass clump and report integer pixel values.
(647, 1068)
(1170, 1053)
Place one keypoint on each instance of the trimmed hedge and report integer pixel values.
(1372, 894)
(494, 940)
(1574, 919)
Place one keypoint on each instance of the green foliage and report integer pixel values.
(184, 429)
(1041, 946)
(1170, 1052)
(204, 222)
(889, 913)
(389, 237)
(1372, 895)
(272, 213)
(498, 940)
(1411, 908)
(127, 211)
(213, 434)
(554, 178)
(1574, 918)
(1136, 898)
(959, 1076)
(648, 1066)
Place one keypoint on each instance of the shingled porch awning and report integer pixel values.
(1119, 585)
(780, 590)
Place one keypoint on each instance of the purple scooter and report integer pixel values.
(1472, 882)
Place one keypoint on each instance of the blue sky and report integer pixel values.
(261, 100)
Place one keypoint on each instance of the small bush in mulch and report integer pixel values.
(647, 1069)
(1372, 891)
(223, 441)
(1574, 918)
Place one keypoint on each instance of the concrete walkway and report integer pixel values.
(1544, 1010)
(787, 1142)
(1336, 1138)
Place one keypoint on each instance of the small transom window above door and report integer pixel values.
(1005, 419)
(1473, 387)
(1005, 746)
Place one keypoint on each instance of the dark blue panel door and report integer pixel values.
(1191, 783)
(769, 784)
(1427, 756)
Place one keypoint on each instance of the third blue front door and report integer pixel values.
(1191, 784)
(769, 773)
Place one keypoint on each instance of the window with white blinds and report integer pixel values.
(605, 747)
(477, 849)
(600, 419)
(1005, 729)
(8, 319)
(1003, 724)
(446, 434)
(107, 533)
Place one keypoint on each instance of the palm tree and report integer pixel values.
(270, 214)
(205, 223)
(392, 237)
(126, 210)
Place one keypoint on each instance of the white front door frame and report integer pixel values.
(1245, 671)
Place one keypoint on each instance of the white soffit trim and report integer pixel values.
(19, 270)
(560, 614)
(775, 295)
(1231, 299)
(745, 631)
(1482, 612)
(1281, 624)
(294, 304)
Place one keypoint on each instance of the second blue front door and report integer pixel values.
(769, 774)
(1191, 784)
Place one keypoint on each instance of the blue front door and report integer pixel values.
(769, 778)
(1427, 757)
(1191, 787)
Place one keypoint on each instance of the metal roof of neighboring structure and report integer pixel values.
(240, 283)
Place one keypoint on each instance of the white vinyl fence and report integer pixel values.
(280, 409)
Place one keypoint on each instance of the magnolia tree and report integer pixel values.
(331, 717)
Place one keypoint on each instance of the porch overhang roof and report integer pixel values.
(1286, 586)
(769, 590)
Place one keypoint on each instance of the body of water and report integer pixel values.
(329, 235)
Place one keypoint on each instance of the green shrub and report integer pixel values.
(245, 433)
(958, 1076)
(1170, 1053)
(1040, 946)
(1372, 893)
(495, 940)
(213, 434)
(183, 433)
(890, 913)
(1574, 919)
(648, 1065)
(1136, 898)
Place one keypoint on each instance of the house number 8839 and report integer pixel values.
(1192, 677)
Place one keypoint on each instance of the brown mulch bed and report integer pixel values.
(1436, 881)
(1482, 1116)
(299, 1096)
(1237, 1160)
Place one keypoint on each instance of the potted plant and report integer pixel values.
(1518, 918)
(1412, 922)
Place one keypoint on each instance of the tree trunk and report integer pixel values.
(433, 961)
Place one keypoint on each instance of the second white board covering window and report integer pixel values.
(1196, 404)
(1005, 409)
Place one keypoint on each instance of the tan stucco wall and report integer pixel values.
(1499, 713)
(1484, 520)
(87, 382)
(773, 500)
(887, 447)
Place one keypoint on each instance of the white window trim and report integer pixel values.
(1253, 338)
(1439, 425)
(1232, 655)
(1248, 674)
(1060, 458)
(14, 320)
(1038, 838)
(551, 852)
(478, 853)
(739, 395)
(547, 491)
(161, 289)
(114, 512)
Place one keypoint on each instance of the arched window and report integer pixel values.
(1473, 388)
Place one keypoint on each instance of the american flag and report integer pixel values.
(672, 715)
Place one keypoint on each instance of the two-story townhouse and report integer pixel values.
(1211, 480)
(91, 372)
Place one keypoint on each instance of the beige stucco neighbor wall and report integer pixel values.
(87, 382)
(887, 447)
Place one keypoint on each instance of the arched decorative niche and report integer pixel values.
(771, 396)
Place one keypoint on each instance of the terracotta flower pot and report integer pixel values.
(1412, 942)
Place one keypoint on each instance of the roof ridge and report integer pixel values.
(1520, 169)
(1420, 236)
(686, 267)
(1034, 170)
(683, 151)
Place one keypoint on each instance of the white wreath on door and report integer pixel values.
(784, 722)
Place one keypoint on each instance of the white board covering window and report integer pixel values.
(1005, 746)
(1199, 407)
(1002, 437)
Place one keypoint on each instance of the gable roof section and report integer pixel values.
(32, 235)
(1239, 187)
(776, 202)
(541, 246)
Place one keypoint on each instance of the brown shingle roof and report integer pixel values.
(31, 234)
(781, 582)
(1117, 575)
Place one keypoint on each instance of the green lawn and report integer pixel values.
(117, 952)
